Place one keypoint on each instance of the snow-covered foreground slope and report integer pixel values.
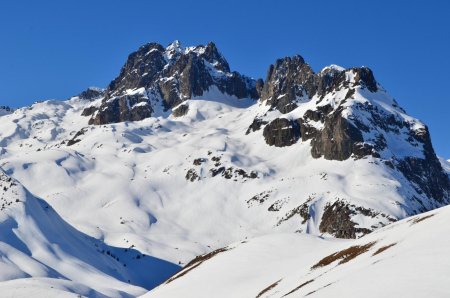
(43, 256)
(405, 259)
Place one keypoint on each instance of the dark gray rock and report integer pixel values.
(77, 137)
(287, 81)
(191, 175)
(92, 93)
(337, 140)
(170, 75)
(291, 79)
(256, 125)
(331, 79)
(426, 173)
(215, 171)
(302, 211)
(199, 161)
(281, 132)
(336, 220)
(141, 69)
(180, 110)
(123, 108)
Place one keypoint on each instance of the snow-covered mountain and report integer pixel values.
(180, 156)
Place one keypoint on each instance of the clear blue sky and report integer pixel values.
(55, 49)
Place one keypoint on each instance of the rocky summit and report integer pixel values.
(155, 77)
(181, 161)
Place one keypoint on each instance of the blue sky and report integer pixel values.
(55, 49)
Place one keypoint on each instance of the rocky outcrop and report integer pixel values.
(123, 108)
(281, 132)
(180, 110)
(256, 125)
(92, 93)
(426, 173)
(336, 221)
(334, 78)
(338, 139)
(339, 127)
(291, 80)
(169, 76)
(288, 81)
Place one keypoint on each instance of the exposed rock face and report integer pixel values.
(347, 121)
(281, 132)
(288, 81)
(180, 110)
(291, 80)
(169, 76)
(123, 108)
(92, 93)
(336, 220)
(338, 139)
(256, 125)
(426, 173)
(333, 79)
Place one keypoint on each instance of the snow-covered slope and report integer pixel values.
(328, 154)
(406, 259)
(41, 253)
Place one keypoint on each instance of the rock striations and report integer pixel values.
(156, 77)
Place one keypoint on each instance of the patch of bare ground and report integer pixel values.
(344, 255)
(419, 219)
(381, 249)
(197, 261)
(299, 287)
(265, 290)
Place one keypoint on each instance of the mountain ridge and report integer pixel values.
(166, 161)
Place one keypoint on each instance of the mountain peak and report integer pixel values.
(332, 67)
(167, 76)
(176, 44)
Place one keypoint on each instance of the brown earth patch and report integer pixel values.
(345, 255)
(265, 290)
(381, 249)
